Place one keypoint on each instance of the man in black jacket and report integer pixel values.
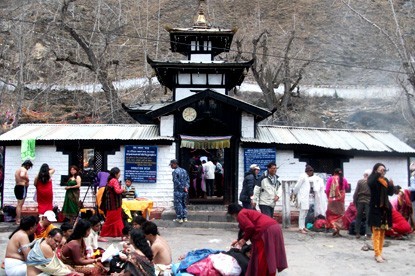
(251, 177)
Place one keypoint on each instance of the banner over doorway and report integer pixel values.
(205, 142)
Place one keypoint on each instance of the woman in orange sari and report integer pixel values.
(336, 192)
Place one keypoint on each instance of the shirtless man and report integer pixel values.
(17, 249)
(20, 190)
(161, 250)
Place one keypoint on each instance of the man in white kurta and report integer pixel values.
(302, 190)
(320, 197)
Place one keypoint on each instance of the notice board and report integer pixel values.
(141, 163)
(260, 156)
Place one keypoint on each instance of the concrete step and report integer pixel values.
(196, 224)
(207, 207)
(205, 216)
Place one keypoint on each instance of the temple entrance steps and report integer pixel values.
(199, 216)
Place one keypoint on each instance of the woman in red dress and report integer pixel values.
(112, 197)
(44, 190)
(268, 250)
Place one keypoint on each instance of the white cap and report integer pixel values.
(50, 215)
(254, 167)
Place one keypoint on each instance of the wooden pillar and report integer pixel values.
(286, 202)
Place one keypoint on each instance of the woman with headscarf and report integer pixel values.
(268, 251)
(380, 209)
(336, 192)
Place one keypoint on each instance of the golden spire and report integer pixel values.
(200, 19)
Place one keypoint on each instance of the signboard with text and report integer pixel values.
(141, 163)
(259, 156)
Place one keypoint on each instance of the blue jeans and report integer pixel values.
(180, 205)
(267, 210)
(247, 205)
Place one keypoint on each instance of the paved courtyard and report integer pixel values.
(312, 254)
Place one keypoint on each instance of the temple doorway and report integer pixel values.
(197, 162)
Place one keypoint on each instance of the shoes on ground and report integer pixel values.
(357, 236)
(302, 231)
(178, 220)
(185, 220)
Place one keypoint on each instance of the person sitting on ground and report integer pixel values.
(130, 191)
(45, 224)
(91, 242)
(400, 226)
(138, 221)
(18, 247)
(42, 257)
(140, 256)
(402, 203)
(74, 251)
(67, 230)
(159, 246)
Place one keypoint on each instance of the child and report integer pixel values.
(91, 242)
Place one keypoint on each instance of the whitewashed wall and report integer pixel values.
(247, 125)
(291, 168)
(161, 192)
(182, 93)
(44, 154)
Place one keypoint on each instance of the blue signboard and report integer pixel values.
(260, 156)
(141, 163)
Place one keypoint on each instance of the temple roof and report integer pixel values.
(167, 71)
(151, 112)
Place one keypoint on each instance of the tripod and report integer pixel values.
(91, 176)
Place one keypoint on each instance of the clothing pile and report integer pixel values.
(208, 262)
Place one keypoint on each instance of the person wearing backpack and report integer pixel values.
(268, 191)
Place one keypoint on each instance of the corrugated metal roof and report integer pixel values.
(83, 132)
(342, 139)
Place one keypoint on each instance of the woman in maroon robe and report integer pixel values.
(268, 250)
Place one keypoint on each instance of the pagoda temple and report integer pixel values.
(204, 119)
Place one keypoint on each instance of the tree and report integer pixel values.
(95, 58)
(270, 74)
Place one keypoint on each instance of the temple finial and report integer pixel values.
(201, 21)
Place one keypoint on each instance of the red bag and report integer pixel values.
(319, 224)
(203, 268)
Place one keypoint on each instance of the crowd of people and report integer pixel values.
(74, 250)
(37, 246)
(322, 206)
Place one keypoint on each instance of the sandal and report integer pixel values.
(302, 231)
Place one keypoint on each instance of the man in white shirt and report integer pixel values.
(209, 170)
